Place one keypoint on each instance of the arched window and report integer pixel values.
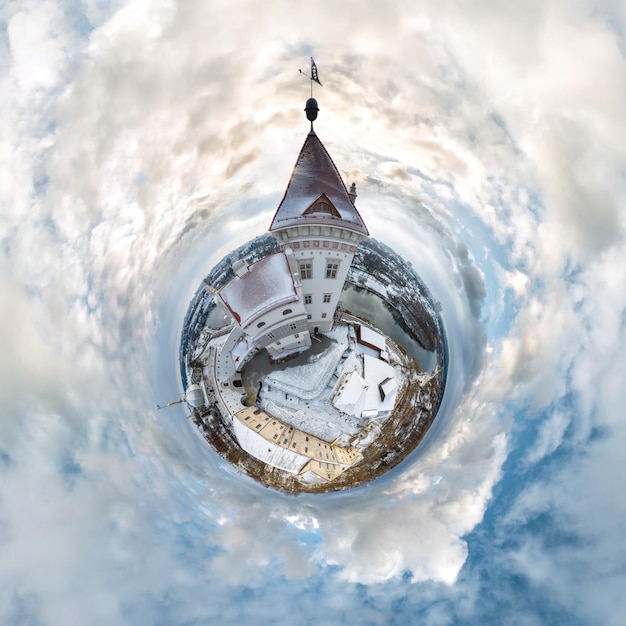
(287, 311)
(260, 325)
(322, 207)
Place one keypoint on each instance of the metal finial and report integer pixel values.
(311, 109)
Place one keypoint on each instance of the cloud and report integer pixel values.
(144, 139)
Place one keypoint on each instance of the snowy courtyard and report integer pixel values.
(309, 394)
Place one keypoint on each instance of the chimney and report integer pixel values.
(240, 268)
(352, 192)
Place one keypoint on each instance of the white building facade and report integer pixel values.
(265, 300)
(278, 301)
(317, 219)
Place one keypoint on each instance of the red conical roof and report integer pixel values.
(315, 175)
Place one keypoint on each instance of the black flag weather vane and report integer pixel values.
(313, 77)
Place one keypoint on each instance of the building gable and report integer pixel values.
(322, 206)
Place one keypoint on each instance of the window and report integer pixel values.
(327, 298)
(331, 269)
(287, 311)
(260, 325)
(293, 326)
(308, 298)
(323, 316)
(270, 335)
(306, 269)
(322, 207)
(308, 316)
(297, 335)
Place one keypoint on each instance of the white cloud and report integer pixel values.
(488, 126)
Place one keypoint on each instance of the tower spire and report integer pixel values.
(315, 181)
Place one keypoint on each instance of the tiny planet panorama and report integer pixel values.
(287, 372)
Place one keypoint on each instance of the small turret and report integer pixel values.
(352, 193)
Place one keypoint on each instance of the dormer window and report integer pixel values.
(322, 207)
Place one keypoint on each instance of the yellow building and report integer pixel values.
(283, 446)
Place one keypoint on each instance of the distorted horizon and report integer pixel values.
(143, 140)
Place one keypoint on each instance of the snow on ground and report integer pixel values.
(369, 282)
(319, 418)
(300, 395)
(308, 381)
(368, 435)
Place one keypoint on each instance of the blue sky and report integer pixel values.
(143, 140)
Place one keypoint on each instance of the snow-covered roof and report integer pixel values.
(376, 372)
(370, 337)
(195, 396)
(314, 178)
(268, 451)
(388, 386)
(307, 381)
(241, 349)
(267, 285)
(279, 444)
(351, 397)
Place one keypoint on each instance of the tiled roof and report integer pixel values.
(315, 174)
(267, 284)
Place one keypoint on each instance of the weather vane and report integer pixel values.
(311, 104)
(313, 76)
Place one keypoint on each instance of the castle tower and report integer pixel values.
(317, 219)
